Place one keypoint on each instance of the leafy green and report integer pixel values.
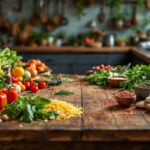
(2, 81)
(99, 77)
(64, 92)
(29, 108)
(8, 57)
(55, 81)
(135, 75)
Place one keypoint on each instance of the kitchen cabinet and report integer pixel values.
(78, 63)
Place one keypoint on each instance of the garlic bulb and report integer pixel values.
(147, 100)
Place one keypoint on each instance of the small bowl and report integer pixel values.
(142, 91)
(125, 101)
(115, 81)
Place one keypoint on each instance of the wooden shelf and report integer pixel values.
(72, 49)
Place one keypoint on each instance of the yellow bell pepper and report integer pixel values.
(17, 71)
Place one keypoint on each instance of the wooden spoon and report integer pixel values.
(58, 17)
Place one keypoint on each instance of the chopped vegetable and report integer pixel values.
(65, 110)
(64, 92)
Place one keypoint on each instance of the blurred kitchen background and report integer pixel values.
(73, 22)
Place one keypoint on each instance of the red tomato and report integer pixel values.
(12, 95)
(3, 100)
(14, 80)
(3, 90)
(30, 80)
(34, 88)
(42, 85)
(27, 84)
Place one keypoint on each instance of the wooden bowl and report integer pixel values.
(115, 81)
(125, 101)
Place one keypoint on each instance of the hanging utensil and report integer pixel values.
(50, 26)
(17, 5)
(148, 4)
(135, 17)
(64, 20)
(35, 20)
(127, 22)
(43, 11)
(57, 17)
(102, 14)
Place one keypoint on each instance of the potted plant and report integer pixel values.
(118, 21)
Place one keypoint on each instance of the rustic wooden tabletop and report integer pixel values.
(103, 119)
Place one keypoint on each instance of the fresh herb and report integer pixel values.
(54, 81)
(135, 75)
(64, 92)
(8, 57)
(99, 77)
(29, 108)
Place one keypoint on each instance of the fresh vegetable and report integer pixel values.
(126, 94)
(12, 95)
(55, 81)
(103, 67)
(30, 108)
(23, 88)
(27, 75)
(17, 71)
(64, 93)
(99, 77)
(8, 57)
(27, 84)
(2, 81)
(34, 88)
(135, 75)
(33, 71)
(3, 100)
(42, 85)
(14, 79)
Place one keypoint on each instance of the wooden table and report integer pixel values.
(103, 120)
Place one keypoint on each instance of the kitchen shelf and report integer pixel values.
(72, 49)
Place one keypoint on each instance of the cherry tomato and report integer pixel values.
(3, 90)
(14, 80)
(3, 100)
(34, 88)
(30, 80)
(27, 85)
(42, 85)
(12, 95)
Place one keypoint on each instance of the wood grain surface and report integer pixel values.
(103, 119)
